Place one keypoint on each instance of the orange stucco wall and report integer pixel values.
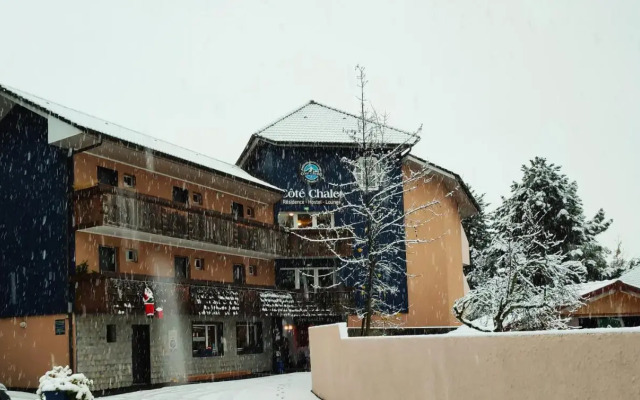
(615, 304)
(149, 183)
(157, 260)
(435, 278)
(27, 353)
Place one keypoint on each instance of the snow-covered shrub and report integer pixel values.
(62, 379)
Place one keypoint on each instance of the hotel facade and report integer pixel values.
(138, 262)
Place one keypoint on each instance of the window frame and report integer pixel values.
(196, 261)
(177, 193)
(237, 210)
(187, 267)
(253, 330)
(133, 180)
(314, 277)
(114, 179)
(218, 337)
(314, 219)
(134, 259)
(243, 274)
(197, 198)
(115, 258)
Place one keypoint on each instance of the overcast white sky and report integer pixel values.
(495, 83)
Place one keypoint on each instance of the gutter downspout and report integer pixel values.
(71, 247)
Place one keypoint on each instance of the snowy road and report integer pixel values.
(295, 386)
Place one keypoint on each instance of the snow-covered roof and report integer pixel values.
(86, 122)
(630, 280)
(584, 289)
(467, 203)
(317, 123)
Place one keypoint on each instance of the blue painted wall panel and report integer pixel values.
(34, 220)
(281, 166)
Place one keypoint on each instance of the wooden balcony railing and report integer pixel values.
(110, 206)
(113, 293)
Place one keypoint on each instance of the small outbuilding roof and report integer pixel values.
(89, 123)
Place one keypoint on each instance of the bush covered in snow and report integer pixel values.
(62, 379)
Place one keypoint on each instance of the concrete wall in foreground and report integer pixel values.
(593, 364)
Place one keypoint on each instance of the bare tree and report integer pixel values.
(372, 203)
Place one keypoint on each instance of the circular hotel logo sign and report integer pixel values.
(311, 172)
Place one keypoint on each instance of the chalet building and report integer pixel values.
(613, 303)
(94, 215)
(317, 136)
(136, 261)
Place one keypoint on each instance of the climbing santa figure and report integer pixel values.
(149, 306)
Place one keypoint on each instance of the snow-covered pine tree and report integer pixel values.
(478, 233)
(619, 264)
(549, 194)
(527, 283)
(375, 215)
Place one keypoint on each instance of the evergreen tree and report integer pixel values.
(528, 283)
(619, 264)
(478, 234)
(549, 194)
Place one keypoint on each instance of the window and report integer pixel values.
(107, 176)
(249, 337)
(180, 195)
(198, 263)
(129, 181)
(324, 220)
(368, 169)
(253, 270)
(111, 333)
(250, 212)
(294, 220)
(238, 274)
(307, 278)
(237, 210)
(305, 221)
(181, 265)
(206, 339)
(197, 198)
(107, 259)
(131, 255)
(287, 219)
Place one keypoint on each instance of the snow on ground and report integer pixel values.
(296, 386)
(22, 395)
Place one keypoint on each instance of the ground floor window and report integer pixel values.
(249, 337)
(206, 339)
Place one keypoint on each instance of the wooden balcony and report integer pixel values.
(119, 212)
(120, 294)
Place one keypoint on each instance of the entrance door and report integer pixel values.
(141, 355)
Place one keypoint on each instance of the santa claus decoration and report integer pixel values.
(149, 303)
